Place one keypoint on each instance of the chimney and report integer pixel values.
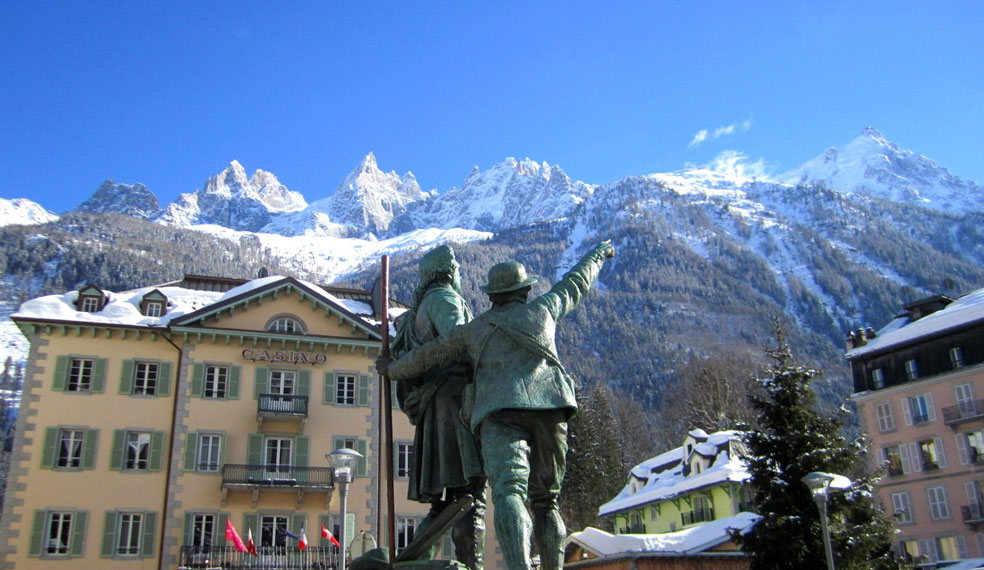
(850, 341)
(870, 332)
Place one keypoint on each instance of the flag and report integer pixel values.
(302, 544)
(232, 535)
(250, 547)
(325, 533)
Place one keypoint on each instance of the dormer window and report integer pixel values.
(154, 309)
(153, 304)
(956, 357)
(285, 325)
(911, 370)
(91, 299)
(90, 305)
(878, 378)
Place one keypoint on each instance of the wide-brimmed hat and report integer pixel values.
(507, 276)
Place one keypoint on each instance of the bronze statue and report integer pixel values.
(446, 464)
(521, 399)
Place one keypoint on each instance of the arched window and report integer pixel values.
(285, 325)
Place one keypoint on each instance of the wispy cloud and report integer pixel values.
(703, 134)
(735, 164)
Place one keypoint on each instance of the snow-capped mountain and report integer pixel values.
(21, 211)
(130, 199)
(232, 200)
(870, 165)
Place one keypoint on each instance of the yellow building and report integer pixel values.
(152, 417)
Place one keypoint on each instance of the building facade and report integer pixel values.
(152, 418)
(916, 383)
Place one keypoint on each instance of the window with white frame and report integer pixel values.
(80, 375)
(273, 530)
(209, 451)
(405, 527)
(929, 454)
(70, 443)
(939, 508)
(153, 309)
(216, 381)
(956, 357)
(883, 411)
(90, 305)
(902, 507)
(286, 325)
(878, 378)
(404, 451)
(202, 530)
(911, 369)
(58, 534)
(345, 389)
(919, 405)
(946, 548)
(137, 451)
(145, 378)
(277, 455)
(964, 393)
(893, 460)
(128, 534)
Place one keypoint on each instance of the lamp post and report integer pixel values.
(820, 484)
(343, 460)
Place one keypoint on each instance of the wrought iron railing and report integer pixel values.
(697, 516)
(632, 529)
(973, 513)
(964, 411)
(286, 476)
(268, 557)
(280, 404)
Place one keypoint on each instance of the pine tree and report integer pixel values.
(792, 440)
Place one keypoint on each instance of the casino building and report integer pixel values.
(152, 417)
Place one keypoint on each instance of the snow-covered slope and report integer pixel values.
(21, 211)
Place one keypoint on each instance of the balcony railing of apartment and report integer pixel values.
(281, 406)
(919, 418)
(746, 507)
(963, 412)
(697, 516)
(279, 557)
(632, 529)
(277, 477)
(973, 514)
(895, 469)
(976, 456)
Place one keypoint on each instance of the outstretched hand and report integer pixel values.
(382, 365)
(608, 248)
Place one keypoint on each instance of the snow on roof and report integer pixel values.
(663, 482)
(687, 541)
(963, 311)
(966, 564)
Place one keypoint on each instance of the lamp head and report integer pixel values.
(820, 483)
(344, 458)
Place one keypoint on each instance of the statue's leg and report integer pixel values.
(548, 461)
(468, 534)
(506, 454)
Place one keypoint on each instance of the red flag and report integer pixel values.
(329, 536)
(232, 535)
(302, 543)
(251, 548)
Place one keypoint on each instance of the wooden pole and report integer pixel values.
(386, 414)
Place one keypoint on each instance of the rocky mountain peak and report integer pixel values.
(130, 199)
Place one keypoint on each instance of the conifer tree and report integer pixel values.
(792, 439)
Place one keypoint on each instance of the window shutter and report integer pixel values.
(197, 379)
(930, 407)
(164, 379)
(190, 451)
(148, 532)
(254, 449)
(189, 527)
(882, 458)
(363, 390)
(971, 489)
(76, 545)
(324, 521)
(394, 401)
(61, 373)
(362, 446)
(234, 382)
(50, 447)
(37, 533)
(250, 521)
(297, 522)
(396, 460)
(126, 377)
(156, 450)
(222, 450)
(328, 397)
(301, 446)
(116, 457)
(304, 383)
(906, 463)
(962, 450)
(906, 412)
(89, 448)
(98, 376)
(220, 525)
(940, 452)
(109, 534)
(349, 529)
(260, 381)
(961, 546)
(916, 454)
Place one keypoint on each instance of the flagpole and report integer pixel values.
(386, 407)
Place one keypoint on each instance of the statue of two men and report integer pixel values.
(519, 401)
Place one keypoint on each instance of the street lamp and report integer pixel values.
(343, 460)
(820, 484)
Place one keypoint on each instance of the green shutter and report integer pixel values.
(447, 547)
(76, 546)
(233, 382)
(394, 401)
(362, 446)
(191, 447)
(222, 450)
(164, 379)
(189, 531)
(37, 533)
(349, 529)
(324, 521)
(197, 380)
(148, 531)
(89, 448)
(109, 534)
(98, 375)
(254, 449)
(297, 522)
(220, 525)
(126, 378)
(50, 448)
(304, 383)
(61, 373)
(328, 397)
(363, 390)
(116, 456)
(250, 521)
(301, 449)
(156, 450)
(261, 379)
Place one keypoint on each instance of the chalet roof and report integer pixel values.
(687, 541)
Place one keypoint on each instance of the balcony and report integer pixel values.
(973, 514)
(746, 507)
(282, 407)
(697, 516)
(919, 419)
(632, 529)
(964, 412)
(280, 557)
(283, 478)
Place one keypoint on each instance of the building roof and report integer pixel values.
(665, 478)
(687, 541)
(966, 310)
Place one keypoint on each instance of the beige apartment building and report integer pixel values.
(916, 383)
(152, 417)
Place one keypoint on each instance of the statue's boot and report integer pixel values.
(468, 534)
(548, 533)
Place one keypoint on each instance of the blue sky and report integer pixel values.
(167, 93)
